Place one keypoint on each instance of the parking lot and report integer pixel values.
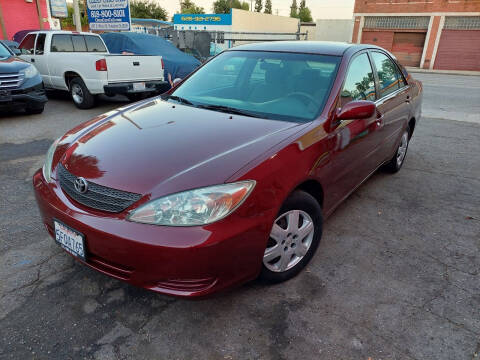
(397, 275)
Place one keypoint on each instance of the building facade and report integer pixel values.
(430, 34)
(16, 15)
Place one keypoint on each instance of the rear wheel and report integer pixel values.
(81, 97)
(396, 162)
(294, 238)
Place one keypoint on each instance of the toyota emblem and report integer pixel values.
(81, 185)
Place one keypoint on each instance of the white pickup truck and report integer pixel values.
(80, 63)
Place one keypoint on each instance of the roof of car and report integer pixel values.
(309, 47)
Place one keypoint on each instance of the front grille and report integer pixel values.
(97, 196)
(11, 81)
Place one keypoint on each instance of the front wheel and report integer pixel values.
(294, 238)
(81, 96)
(396, 162)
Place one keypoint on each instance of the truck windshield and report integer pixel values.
(4, 52)
(271, 85)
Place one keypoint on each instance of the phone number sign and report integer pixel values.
(108, 14)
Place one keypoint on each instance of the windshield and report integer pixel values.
(272, 85)
(4, 52)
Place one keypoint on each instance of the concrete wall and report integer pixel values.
(250, 21)
(334, 30)
(20, 15)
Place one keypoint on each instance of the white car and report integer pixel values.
(80, 63)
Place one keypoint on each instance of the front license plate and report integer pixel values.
(71, 240)
(140, 86)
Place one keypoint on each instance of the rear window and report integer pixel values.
(79, 43)
(62, 43)
(94, 44)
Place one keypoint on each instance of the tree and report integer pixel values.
(258, 5)
(268, 7)
(224, 6)
(188, 7)
(304, 13)
(144, 9)
(294, 9)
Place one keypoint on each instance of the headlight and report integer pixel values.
(30, 71)
(194, 207)
(47, 166)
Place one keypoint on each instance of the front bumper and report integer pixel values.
(181, 261)
(127, 88)
(32, 97)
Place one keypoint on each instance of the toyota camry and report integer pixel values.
(230, 175)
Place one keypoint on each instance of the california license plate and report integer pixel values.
(71, 240)
(139, 86)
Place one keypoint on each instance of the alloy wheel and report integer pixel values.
(402, 149)
(290, 239)
(77, 93)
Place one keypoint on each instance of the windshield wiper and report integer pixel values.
(179, 99)
(230, 110)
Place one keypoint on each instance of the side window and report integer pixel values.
(94, 44)
(28, 44)
(359, 82)
(62, 43)
(387, 73)
(79, 43)
(40, 46)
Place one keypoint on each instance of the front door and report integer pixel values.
(355, 142)
(39, 59)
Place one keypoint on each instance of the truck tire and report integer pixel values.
(82, 98)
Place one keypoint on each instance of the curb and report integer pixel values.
(446, 72)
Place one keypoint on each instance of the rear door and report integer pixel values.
(128, 68)
(393, 104)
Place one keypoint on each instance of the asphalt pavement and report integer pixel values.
(396, 276)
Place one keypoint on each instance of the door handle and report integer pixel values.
(408, 99)
(33, 60)
(136, 63)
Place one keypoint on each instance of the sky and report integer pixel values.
(321, 9)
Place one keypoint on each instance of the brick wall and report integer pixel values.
(22, 15)
(406, 6)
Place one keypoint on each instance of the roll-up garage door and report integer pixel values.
(459, 46)
(383, 39)
(408, 47)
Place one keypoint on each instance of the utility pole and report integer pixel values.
(76, 16)
(39, 13)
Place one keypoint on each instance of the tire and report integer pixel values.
(82, 98)
(395, 163)
(35, 110)
(287, 253)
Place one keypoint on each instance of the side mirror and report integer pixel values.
(360, 109)
(16, 51)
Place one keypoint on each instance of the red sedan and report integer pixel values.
(231, 174)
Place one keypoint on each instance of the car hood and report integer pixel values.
(12, 64)
(162, 147)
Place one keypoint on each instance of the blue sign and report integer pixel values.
(108, 14)
(202, 19)
(58, 8)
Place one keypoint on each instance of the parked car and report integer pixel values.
(21, 85)
(232, 173)
(80, 63)
(12, 45)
